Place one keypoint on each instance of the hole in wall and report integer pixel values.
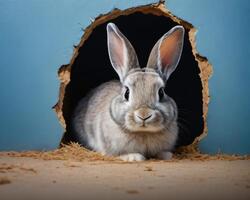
(143, 26)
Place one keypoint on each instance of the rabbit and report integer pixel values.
(132, 118)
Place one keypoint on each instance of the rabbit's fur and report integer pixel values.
(132, 118)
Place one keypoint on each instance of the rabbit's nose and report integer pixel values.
(142, 115)
(145, 118)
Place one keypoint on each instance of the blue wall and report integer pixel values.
(37, 36)
(224, 37)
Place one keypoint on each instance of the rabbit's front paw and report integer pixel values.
(165, 155)
(132, 157)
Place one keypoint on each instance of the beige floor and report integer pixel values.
(28, 178)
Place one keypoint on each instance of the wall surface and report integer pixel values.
(223, 36)
(37, 36)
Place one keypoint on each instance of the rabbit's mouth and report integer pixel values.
(143, 126)
(150, 121)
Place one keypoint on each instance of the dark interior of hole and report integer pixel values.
(92, 67)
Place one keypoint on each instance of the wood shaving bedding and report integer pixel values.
(76, 152)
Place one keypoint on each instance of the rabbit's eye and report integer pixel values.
(126, 94)
(161, 93)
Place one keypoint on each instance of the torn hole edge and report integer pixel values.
(158, 9)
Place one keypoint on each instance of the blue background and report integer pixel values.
(37, 36)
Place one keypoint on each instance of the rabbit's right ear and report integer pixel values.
(121, 53)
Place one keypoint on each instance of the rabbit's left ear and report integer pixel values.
(121, 53)
(166, 53)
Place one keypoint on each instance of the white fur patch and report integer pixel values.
(132, 157)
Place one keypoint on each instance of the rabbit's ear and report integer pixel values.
(166, 53)
(121, 53)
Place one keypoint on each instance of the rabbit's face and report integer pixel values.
(143, 105)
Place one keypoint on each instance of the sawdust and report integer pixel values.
(5, 168)
(71, 164)
(148, 168)
(75, 152)
(132, 191)
(4, 180)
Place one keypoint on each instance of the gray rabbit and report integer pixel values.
(133, 118)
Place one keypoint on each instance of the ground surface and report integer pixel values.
(32, 178)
